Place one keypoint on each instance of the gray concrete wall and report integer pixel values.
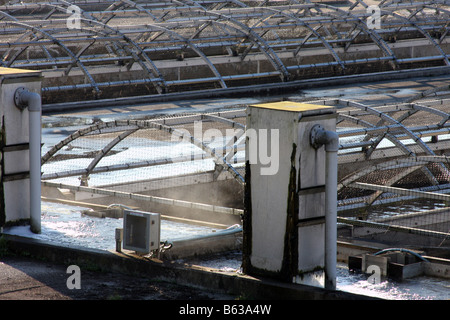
(15, 189)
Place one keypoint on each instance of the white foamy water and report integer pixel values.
(418, 288)
(65, 225)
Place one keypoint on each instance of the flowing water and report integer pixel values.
(65, 225)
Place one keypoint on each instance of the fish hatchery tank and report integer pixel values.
(69, 225)
(66, 225)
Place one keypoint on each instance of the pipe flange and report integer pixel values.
(314, 140)
(18, 101)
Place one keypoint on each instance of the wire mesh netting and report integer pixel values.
(189, 161)
(394, 174)
(109, 49)
(394, 171)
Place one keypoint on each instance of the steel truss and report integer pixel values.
(123, 48)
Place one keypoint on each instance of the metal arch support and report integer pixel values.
(133, 4)
(362, 26)
(421, 30)
(90, 20)
(221, 5)
(195, 3)
(417, 107)
(445, 27)
(142, 124)
(196, 50)
(106, 149)
(390, 120)
(108, 125)
(317, 34)
(21, 50)
(414, 108)
(393, 180)
(232, 123)
(413, 136)
(67, 4)
(10, 61)
(301, 22)
(62, 46)
(191, 45)
(395, 141)
(127, 133)
(403, 128)
(410, 165)
(232, 143)
(397, 4)
(340, 13)
(256, 39)
(314, 31)
(55, 8)
(145, 57)
(394, 164)
(78, 134)
(217, 159)
(122, 3)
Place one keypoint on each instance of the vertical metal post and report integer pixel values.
(319, 136)
(331, 219)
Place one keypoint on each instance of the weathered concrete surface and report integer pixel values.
(211, 282)
(23, 278)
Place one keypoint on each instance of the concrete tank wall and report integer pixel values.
(284, 219)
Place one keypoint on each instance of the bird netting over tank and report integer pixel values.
(393, 166)
(106, 49)
(394, 169)
(167, 157)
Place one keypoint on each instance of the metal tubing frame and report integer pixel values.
(311, 16)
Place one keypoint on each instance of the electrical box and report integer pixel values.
(141, 231)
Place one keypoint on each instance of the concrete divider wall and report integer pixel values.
(241, 286)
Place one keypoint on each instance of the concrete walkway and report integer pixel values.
(24, 278)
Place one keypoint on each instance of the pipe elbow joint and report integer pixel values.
(319, 137)
(332, 144)
(24, 98)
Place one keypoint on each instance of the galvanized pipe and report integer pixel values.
(319, 136)
(25, 98)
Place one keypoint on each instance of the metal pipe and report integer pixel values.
(154, 199)
(24, 98)
(319, 136)
(331, 219)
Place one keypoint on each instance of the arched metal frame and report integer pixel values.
(382, 126)
(128, 127)
(261, 29)
(409, 163)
